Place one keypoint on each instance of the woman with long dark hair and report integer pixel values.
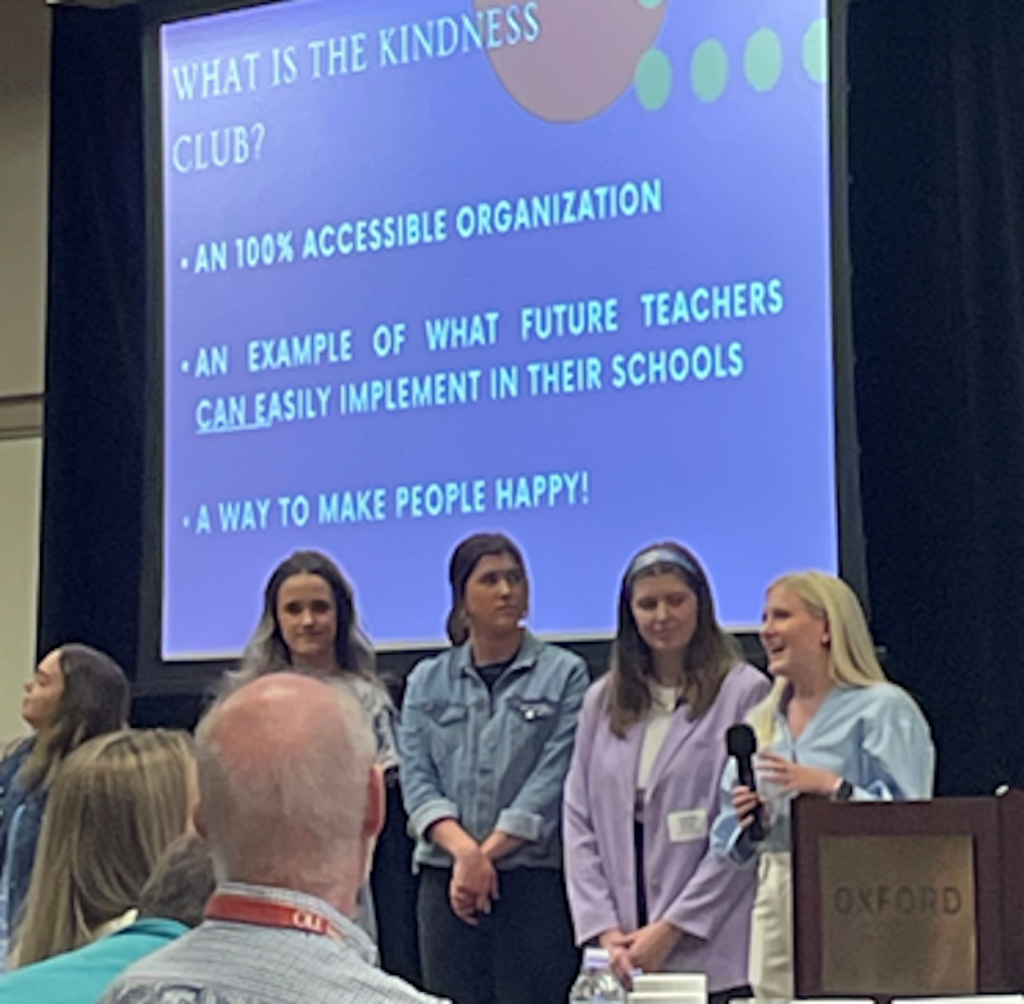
(487, 733)
(643, 789)
(74, 694)
(309, 625)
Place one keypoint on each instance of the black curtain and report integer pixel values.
(937, 158)
(937, 164)
(95, 341)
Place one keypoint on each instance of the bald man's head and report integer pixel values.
(289, 794)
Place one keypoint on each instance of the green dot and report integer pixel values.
(653, 79)
(816, 51)
(709, 70)
(651, 4)
(763, 60)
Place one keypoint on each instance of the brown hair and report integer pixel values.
(464, 559)
(267, 651)
(116, 803)
(708, 658)
(95, 701)
(181, 882)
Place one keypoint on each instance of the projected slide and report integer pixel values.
(556, 267)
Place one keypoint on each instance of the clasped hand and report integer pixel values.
(645, 949)
(474, 884)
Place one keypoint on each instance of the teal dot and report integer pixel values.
(709, 70)
(816, 51)
(763, 60)
(653, 79)
(651, 4)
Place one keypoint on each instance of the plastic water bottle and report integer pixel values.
(596, 981)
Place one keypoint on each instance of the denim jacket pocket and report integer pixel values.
(530, 722)
(528, 710)
(447, 727)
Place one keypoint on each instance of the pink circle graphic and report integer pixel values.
(583, 59)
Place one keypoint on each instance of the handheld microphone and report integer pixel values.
(742, 744)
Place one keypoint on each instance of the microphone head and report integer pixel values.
(741, 741)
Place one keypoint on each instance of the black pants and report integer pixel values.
(736, 993)
(394, 895)
(522, 953)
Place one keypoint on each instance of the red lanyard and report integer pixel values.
(266, 913)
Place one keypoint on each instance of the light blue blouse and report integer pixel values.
(875, 737)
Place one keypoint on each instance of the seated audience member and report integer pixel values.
(74, 694)
(117, 802)
(832, 726)
(170, 903)
(290, 800)
(643, 789)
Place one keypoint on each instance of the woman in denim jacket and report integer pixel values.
(486, 736)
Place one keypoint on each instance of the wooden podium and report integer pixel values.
(905, 899)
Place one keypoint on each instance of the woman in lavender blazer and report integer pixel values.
(643, 788)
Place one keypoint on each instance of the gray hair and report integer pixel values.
(283, 786)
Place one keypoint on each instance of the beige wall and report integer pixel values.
(24, 100)
(24, 121)
(20, 468)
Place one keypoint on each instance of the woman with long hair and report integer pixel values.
(643, 789)
(487, 732)
(117, 802)
(832, 726)
(74, 694)
(309, 625)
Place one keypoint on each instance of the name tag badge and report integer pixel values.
(687, 825)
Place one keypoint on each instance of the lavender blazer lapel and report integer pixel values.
(680, 731)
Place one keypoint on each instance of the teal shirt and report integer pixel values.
(81, 976)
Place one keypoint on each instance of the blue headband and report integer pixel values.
(662, 556)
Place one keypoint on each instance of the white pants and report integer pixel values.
(771, 930)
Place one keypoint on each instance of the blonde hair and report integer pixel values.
(116, 803)
(851, 653)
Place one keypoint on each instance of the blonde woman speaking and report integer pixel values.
(832, 726)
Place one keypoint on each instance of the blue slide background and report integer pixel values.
(739, 466)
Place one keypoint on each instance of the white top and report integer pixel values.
(663, 705)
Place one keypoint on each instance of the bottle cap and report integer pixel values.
(595, 958)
